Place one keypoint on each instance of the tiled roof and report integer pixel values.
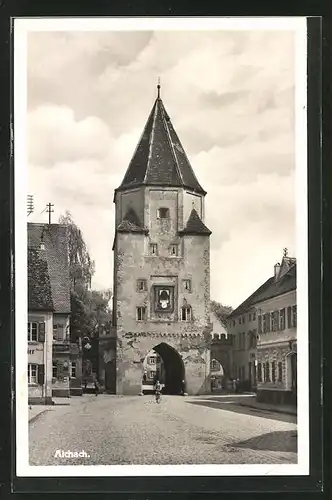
(56, 250)
(131, 224)
(195, 225)
(39, 285)
(159, 158)
(270, 289)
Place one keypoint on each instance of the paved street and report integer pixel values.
(135, 430)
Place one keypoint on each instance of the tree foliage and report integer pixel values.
(90, 312)
(81, 266)
(221, 311)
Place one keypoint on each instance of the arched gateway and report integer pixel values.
(165, 364)
(161, 264)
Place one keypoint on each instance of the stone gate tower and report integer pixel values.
(161, 264)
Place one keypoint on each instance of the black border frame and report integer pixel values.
(319, 214)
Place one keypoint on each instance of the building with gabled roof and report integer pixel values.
(39, 328)
(52, 241)
(264, 330)
(161, 264)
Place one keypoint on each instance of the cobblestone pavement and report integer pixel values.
(135, 430)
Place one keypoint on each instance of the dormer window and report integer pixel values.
(173, 250)
(163, 213)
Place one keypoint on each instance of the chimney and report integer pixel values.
(277, 270)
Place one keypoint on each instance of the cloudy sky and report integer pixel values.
(230, 96)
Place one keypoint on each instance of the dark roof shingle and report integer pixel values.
(39, 285)
(159, 158)
(195, 225)
(56, 250)
(270, 289)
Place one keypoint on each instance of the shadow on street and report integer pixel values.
(273, 441)
(236, 408)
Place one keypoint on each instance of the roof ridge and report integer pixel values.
(163, 111)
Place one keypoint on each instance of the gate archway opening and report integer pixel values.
(164, 363)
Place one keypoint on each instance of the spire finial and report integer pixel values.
(158, 87)
(285, 252)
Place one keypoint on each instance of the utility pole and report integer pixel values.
(49, 211)
(30, 205)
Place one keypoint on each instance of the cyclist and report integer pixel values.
(157, 389)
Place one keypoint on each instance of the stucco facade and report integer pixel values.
(277, 350)
(40, 329)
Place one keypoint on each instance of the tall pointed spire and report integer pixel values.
(159, 158)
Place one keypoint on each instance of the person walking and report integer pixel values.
(97, 387)
(158, 389)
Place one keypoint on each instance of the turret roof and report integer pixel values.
(159, 158)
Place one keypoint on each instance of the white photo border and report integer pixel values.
(21, 29)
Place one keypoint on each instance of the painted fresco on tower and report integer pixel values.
(164, 298)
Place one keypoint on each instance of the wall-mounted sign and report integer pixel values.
(164, 298)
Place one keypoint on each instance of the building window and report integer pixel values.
(259, 324)
(151, 360)
(32, 332)
(73, 369)
(280, 371)
(243, 319)
(54, 369)
(273, 371)
(58, 332)
(267, 372)
(294, 316)
(259, 372)
(249, 317)
(151, 375)
(214, 365)
(233, 322)
(276, 320)
(163, 213)
(186, 313)
(141, 285)
(187, 285)
(173, 250)
(264, 323)
(254, 316)
(240, 321)
(141, 313)
(32, 374)
(289, 317)
(153, 249)
(282, 319)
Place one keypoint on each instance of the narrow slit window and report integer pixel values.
(187, 285)
(153, 249)
(174, 250)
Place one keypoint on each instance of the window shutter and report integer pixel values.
(41, 374)
(41, 332)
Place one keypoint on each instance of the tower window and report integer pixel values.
(187, 285)
(54, 369)
(153, 249)
(141, 286)
(163, 213)
(173, 250)
(141, 313)
(186, 313)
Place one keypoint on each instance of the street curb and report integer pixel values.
(273, 410)
(35, 417)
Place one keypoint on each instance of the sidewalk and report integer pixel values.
(36, 410)
(252, 403)
(248, 399)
